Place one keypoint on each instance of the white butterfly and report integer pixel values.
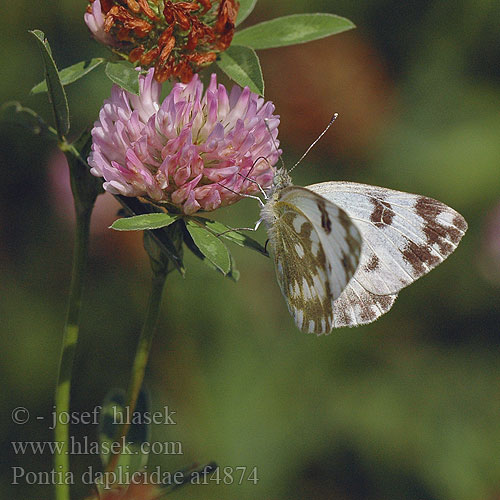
(343, 250)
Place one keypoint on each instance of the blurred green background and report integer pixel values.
(407, 408)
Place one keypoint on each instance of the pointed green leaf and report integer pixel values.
(125, 75)
(112, 415)
(57, 95)
(168, 238)
(161, 263)
(143, 222)
(15, 112)
(84, 186)
(242, 65)
(210, 246)
(83, 143)
(246, 8)
(233, 274)
(71, 73)
(241, 239)
(290, 30)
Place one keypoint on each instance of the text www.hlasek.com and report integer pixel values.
(88, 447)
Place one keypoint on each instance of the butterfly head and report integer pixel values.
(281, 180)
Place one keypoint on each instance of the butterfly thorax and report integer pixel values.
(281, 180)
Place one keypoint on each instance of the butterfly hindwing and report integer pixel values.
(404, 236)
(316, 250)
(357, 306)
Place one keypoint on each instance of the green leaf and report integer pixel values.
(57, 95)
(111, 416)
(162, 262)
(223, 231)
(154, 244)
(157, 258)
(71, 73)
(233, 274)
(123, 74)
(242, 65)
(84, 186)
(290, 30)
(246, 8)
(83, 144)
(144, 222)
(210, 246)
(15, 112)
(168, 238)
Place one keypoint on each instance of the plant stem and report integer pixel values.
(145, 341)
(141, 356)
(69, 341)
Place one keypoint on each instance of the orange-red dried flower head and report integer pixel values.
(176, 38)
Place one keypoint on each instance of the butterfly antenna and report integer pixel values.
(334, 117)
(274, 143)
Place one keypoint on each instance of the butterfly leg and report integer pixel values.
(253, 181)
(243, 195)
(258, 223)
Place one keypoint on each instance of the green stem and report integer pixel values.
(70, 338)
(145, 341)
(141, 356)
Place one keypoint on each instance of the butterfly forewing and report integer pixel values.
(404, 236)
(316, 249)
